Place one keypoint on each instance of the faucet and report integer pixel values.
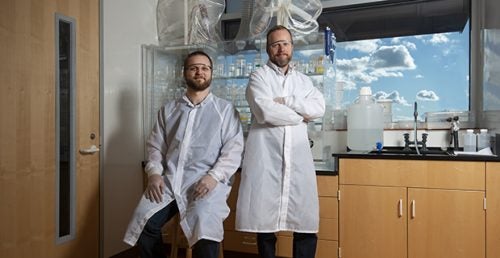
(422, 144)
(416, 142)
(454, 131)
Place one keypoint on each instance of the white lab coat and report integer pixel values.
(278, 181)
(186, 143)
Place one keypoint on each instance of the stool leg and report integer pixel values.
(221, 249)
(174, 246)
(189, 252)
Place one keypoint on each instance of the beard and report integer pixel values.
(281, 60)
(197, 85)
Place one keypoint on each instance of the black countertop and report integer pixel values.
(382, 155)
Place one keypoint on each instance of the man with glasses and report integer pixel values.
(194, 148)
(278, 181)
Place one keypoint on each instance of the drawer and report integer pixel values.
(240, 242)
(285, 233)
(328, 229)
(328, 207)
(324, 248)
(327, 249)
(461, 175)
(284, 246)
(327, 185)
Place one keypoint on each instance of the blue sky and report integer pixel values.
(430, 69)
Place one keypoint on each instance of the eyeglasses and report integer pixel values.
(198, 67)
(281, 43)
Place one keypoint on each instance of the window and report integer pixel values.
(65, 127)
(431, 69)
(406, 50)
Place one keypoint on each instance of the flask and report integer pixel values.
(365, 122)
(469, 141)
(483, 139)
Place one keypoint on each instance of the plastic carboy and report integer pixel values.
(483, 139)
(469, 141)
(365, 122)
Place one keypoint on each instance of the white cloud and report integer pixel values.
(427, 95)
(406, 43)
(440, 38)
(387, 61)
(419, 76)
(394, 95)
(354, 70)
(392, 58)
(385, 73)
(434, 39)
(410, 45)
(364, 46)
(396, 40)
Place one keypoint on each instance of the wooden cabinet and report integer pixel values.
(411, 208)
(328, 224)
(327, 246)
(445, 223)
(328, 234)
(234, 240)
(371, 223)
(493, 209)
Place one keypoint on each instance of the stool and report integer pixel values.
(177, 240)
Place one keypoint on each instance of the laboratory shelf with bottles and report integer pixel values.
(162, 76)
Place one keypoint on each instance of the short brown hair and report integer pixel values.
(197, 53)
(275, 28)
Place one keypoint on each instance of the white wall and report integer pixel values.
(126, 24)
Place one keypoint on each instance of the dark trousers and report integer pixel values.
(304, 245)
(151, 244)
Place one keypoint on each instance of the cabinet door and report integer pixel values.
(493, 209)
(372, 221)
(445, 223)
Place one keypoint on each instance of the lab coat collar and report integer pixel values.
(207, 99)
(279, 70)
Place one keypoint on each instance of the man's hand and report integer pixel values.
(155, 189)
(206, 184)
(279, 100)
(307, 119)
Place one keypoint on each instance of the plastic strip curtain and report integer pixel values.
(297, 15)
(202, 17)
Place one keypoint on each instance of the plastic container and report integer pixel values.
(483, 139)
(365, 122)
(470, 141)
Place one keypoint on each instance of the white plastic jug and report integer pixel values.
(365, 122)
(470, 141)
(483, 139)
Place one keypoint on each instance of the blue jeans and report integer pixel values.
(304, 245)
(151, 243)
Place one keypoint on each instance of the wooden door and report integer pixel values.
(372, 221)
(446, 223)
(493, 209)
(28, 129)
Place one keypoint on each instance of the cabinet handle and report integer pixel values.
(248, 243)
(413, 209)
(400, 208)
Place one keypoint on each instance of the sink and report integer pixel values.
(431, 151)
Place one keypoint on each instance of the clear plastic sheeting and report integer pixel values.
(189, 21)
(297, 15)
(205, 15)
